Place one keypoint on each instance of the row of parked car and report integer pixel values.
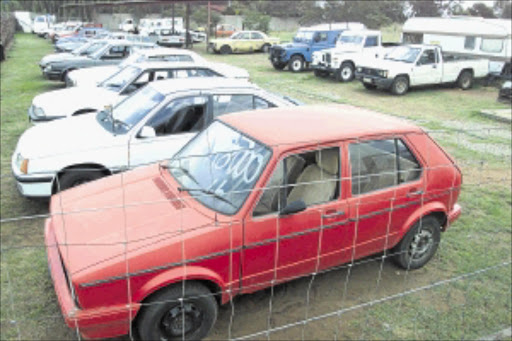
(70, 35)
(349, 51)
(156, 153)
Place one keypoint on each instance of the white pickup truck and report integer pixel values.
(351, 47)
(416, 65)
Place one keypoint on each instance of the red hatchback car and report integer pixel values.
(255, 199)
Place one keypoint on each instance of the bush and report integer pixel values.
(229, 11)
(254, 20)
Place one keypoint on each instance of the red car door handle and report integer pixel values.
(414, 193)
(333, 214)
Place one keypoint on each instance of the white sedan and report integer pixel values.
(83, 100)
(94, 76)
(147, 127)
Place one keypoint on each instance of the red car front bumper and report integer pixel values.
(102, 322)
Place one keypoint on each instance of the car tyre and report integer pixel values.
(65, 74)
(161, 317)
(74, 177)
(278, 66)
(265, 48)
(225, 49)
(345, 73)
(296, 64)
(419, 245)
(400, 86)
(321, 73)
(465, 80)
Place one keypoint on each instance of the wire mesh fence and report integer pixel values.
(315, 279)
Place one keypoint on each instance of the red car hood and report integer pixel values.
(107, 223)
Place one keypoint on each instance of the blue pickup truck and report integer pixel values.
(297, 55)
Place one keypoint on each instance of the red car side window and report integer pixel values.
(312, 177)
(381, 164)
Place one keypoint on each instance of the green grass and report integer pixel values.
(468, 308)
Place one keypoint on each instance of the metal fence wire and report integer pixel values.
(464, 292)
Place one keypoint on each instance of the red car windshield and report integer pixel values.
(219, 167)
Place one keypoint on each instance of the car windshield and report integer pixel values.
(99, 52)
(303, 36)
(219, 167)
(355, 40)
(88, 48)
(119, 80)
(236, 35)
(132, 59)
(130, 111)
(403, 54)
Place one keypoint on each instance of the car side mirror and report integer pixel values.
(147, 132)
(292, 208)
(316, 39)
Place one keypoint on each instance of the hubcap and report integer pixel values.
(421, 244)
(465, 82)
(296, 65)
(401, 87)
(346, 73)
(181, 320)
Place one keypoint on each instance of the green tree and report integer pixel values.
(310, 14)
(426, 8)
(283, 9)
(507, 11)
(373, 14)
(393, 9)
(254, 20)
(503, 8)
(200, 17)
(481, 10)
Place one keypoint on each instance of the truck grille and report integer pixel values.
(370, 72)
(327, 58)
(276, 51)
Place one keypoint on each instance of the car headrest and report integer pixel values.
(328, 160)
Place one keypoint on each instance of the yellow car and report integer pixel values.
(243, 41)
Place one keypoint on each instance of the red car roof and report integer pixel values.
(317, 123)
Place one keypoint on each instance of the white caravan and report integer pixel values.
(148, 26)
(468, 36)
(41, 24)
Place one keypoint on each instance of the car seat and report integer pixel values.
(317, 182)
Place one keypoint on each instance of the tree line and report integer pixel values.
(257, 13)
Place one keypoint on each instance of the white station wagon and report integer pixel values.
(82, 100)
(149, 126)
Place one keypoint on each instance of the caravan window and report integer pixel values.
(491, 45)
(469, 43)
